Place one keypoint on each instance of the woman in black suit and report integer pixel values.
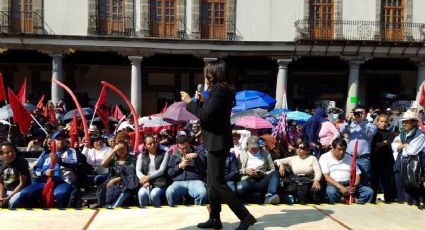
(214, 116)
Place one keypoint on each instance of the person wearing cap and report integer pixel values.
(93, 130)
(66, 162)
(257, 171)
(410, 142)
(95, 156)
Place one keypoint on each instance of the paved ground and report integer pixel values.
(381, 216)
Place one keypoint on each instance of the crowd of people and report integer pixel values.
(313, 163)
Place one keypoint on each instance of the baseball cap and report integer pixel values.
(252, 142)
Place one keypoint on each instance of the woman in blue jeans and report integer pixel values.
(66, 161)
(150, 168)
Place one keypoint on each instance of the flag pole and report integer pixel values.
(32, 116)
(94, 114)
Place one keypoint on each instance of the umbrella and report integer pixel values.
(99, 123)
(249, 112)
(177, 112)
(278, 111)
(298, 116)
(249, 99)
(6, 111)
(254, 122)
(88, 111)
(148, 122)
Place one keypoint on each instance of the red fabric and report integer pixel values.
(52, 117)
(117, 113)
(102, 108)
(353, 175)
(20, 113)
(47, 196)
(40, 102)
(22, 94)
(73, 132)
(422, 98)
(46, 112)
(2, 92)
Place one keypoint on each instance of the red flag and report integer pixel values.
(117, 113)
(101, 108)
(73, 132)
(46, 112)
(52, 117)
(20, 113)
(47, 196)
(353, 173)
(422, 98)
(2, 93)
(40, 102)
(22, 94)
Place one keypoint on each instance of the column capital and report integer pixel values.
(135, 60)
(355, 60)
(283, 62)
(56, 55)
(210, 59)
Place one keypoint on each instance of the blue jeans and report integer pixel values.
(119, 201)
(195, 188)
(269, 182)
(232, 185)
(364, 166)
(12, 200)
(30, 195)
(150, 194)
(97, 179)
(364, 194)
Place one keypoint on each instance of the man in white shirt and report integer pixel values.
(336, 169)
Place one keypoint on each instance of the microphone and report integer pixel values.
(199, 89)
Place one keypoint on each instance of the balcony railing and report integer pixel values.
(359, 31)
(111, 26)
(166, 27)
(217, 30)
(18, 22)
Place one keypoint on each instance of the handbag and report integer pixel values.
(411, 171)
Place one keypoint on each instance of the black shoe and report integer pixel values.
(211, 223)
(246, 222)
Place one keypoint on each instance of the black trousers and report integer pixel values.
(218, 191)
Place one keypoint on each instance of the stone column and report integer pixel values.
(353, 84)
(281, 83)
(136, 83)
(57, 73)
(421, 74)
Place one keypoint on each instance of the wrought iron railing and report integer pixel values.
(217, 30)
(359, 31)
(17, 22)
(165, 27)
(111, 26)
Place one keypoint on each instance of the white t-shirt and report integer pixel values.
(339, 170)
(95, 158)
(255, 161)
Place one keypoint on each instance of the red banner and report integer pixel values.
(20, 113)
(2, 92)
(102, 108)
(22, 94)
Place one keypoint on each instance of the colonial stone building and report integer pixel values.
(308, 50)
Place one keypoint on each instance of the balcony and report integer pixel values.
(111, 26)
(307, 30)
(18, 22)
(218, 30)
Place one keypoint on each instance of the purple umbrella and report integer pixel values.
(254, 122)
(177, 112)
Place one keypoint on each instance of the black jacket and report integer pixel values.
(214, 116)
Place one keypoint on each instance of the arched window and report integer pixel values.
(22, 16)
(213, 19)
(163, 18)
(111, 16)
(393, 19)
(321, 19)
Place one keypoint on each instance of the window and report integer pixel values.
(111, 16)
(321, 19)
(393, 19)
(163, 18)
(213, 19)
(22, 16)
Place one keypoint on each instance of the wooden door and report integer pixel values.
(213, 19)
(321, 19)
(393, 19)
(163, 18)
(22, 16)
(111, 17)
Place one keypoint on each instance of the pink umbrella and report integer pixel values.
(177, 112)
(254, 122)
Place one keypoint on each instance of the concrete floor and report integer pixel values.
(381, 216)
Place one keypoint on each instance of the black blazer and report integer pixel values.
(214, 116)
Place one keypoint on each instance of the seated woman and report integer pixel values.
(306, 171)
(118, 156)
(150, 168)
(95, 156)
(36, 144)
(66, 162)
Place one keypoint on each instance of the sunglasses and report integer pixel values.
(302, 147)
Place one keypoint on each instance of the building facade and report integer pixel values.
(309, 50)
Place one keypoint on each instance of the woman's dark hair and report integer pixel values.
(182, 140)
(339, 141)
(215, 72)
(147, 136)
(306, 144)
